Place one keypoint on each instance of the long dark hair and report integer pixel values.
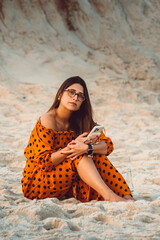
(81, 120)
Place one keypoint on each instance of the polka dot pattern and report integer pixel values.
(41, 179)
(111, 176)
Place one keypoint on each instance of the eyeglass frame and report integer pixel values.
(67, 89)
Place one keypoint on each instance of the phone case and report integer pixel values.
(95, 131)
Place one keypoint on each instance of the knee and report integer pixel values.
(84, 159)
(99, 157)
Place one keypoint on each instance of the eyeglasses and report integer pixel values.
(72, 93)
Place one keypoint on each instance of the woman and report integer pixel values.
(58, 153)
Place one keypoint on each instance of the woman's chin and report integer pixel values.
(72, 108)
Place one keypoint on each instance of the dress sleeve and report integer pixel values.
(40, 147)
(46, 147)
(108, 142)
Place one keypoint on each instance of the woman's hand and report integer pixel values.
(61, 150)
(83, 138)
(76, 148)
(92, 140)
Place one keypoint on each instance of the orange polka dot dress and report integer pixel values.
(41, 179)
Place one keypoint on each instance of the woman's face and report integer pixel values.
(71, 102)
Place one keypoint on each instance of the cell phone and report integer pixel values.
(96, 131)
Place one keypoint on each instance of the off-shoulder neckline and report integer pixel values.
(39, 120)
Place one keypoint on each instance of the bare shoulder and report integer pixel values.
(48, 120)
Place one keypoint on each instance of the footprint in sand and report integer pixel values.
(106, 219)
(51, 223)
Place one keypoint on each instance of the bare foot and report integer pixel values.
(115, 198)
(128, 197)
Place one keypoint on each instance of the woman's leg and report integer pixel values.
(90, 175)
(129, 197)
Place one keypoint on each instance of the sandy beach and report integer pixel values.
(115, 47)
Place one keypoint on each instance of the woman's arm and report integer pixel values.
(58, 157)
(78, 148)
(48, 121)
(74, 149)
(108, 142)
(100, 147)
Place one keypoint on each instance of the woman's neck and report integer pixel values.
(62, 118)
(63, 114)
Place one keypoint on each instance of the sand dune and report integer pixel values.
(114, 46)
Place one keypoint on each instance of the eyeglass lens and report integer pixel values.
(72, 93)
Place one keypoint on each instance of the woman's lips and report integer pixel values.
(73, 103)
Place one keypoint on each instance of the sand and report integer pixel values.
(119, 59)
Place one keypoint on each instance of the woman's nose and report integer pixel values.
(75, 97)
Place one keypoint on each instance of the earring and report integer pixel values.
(58, 98)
